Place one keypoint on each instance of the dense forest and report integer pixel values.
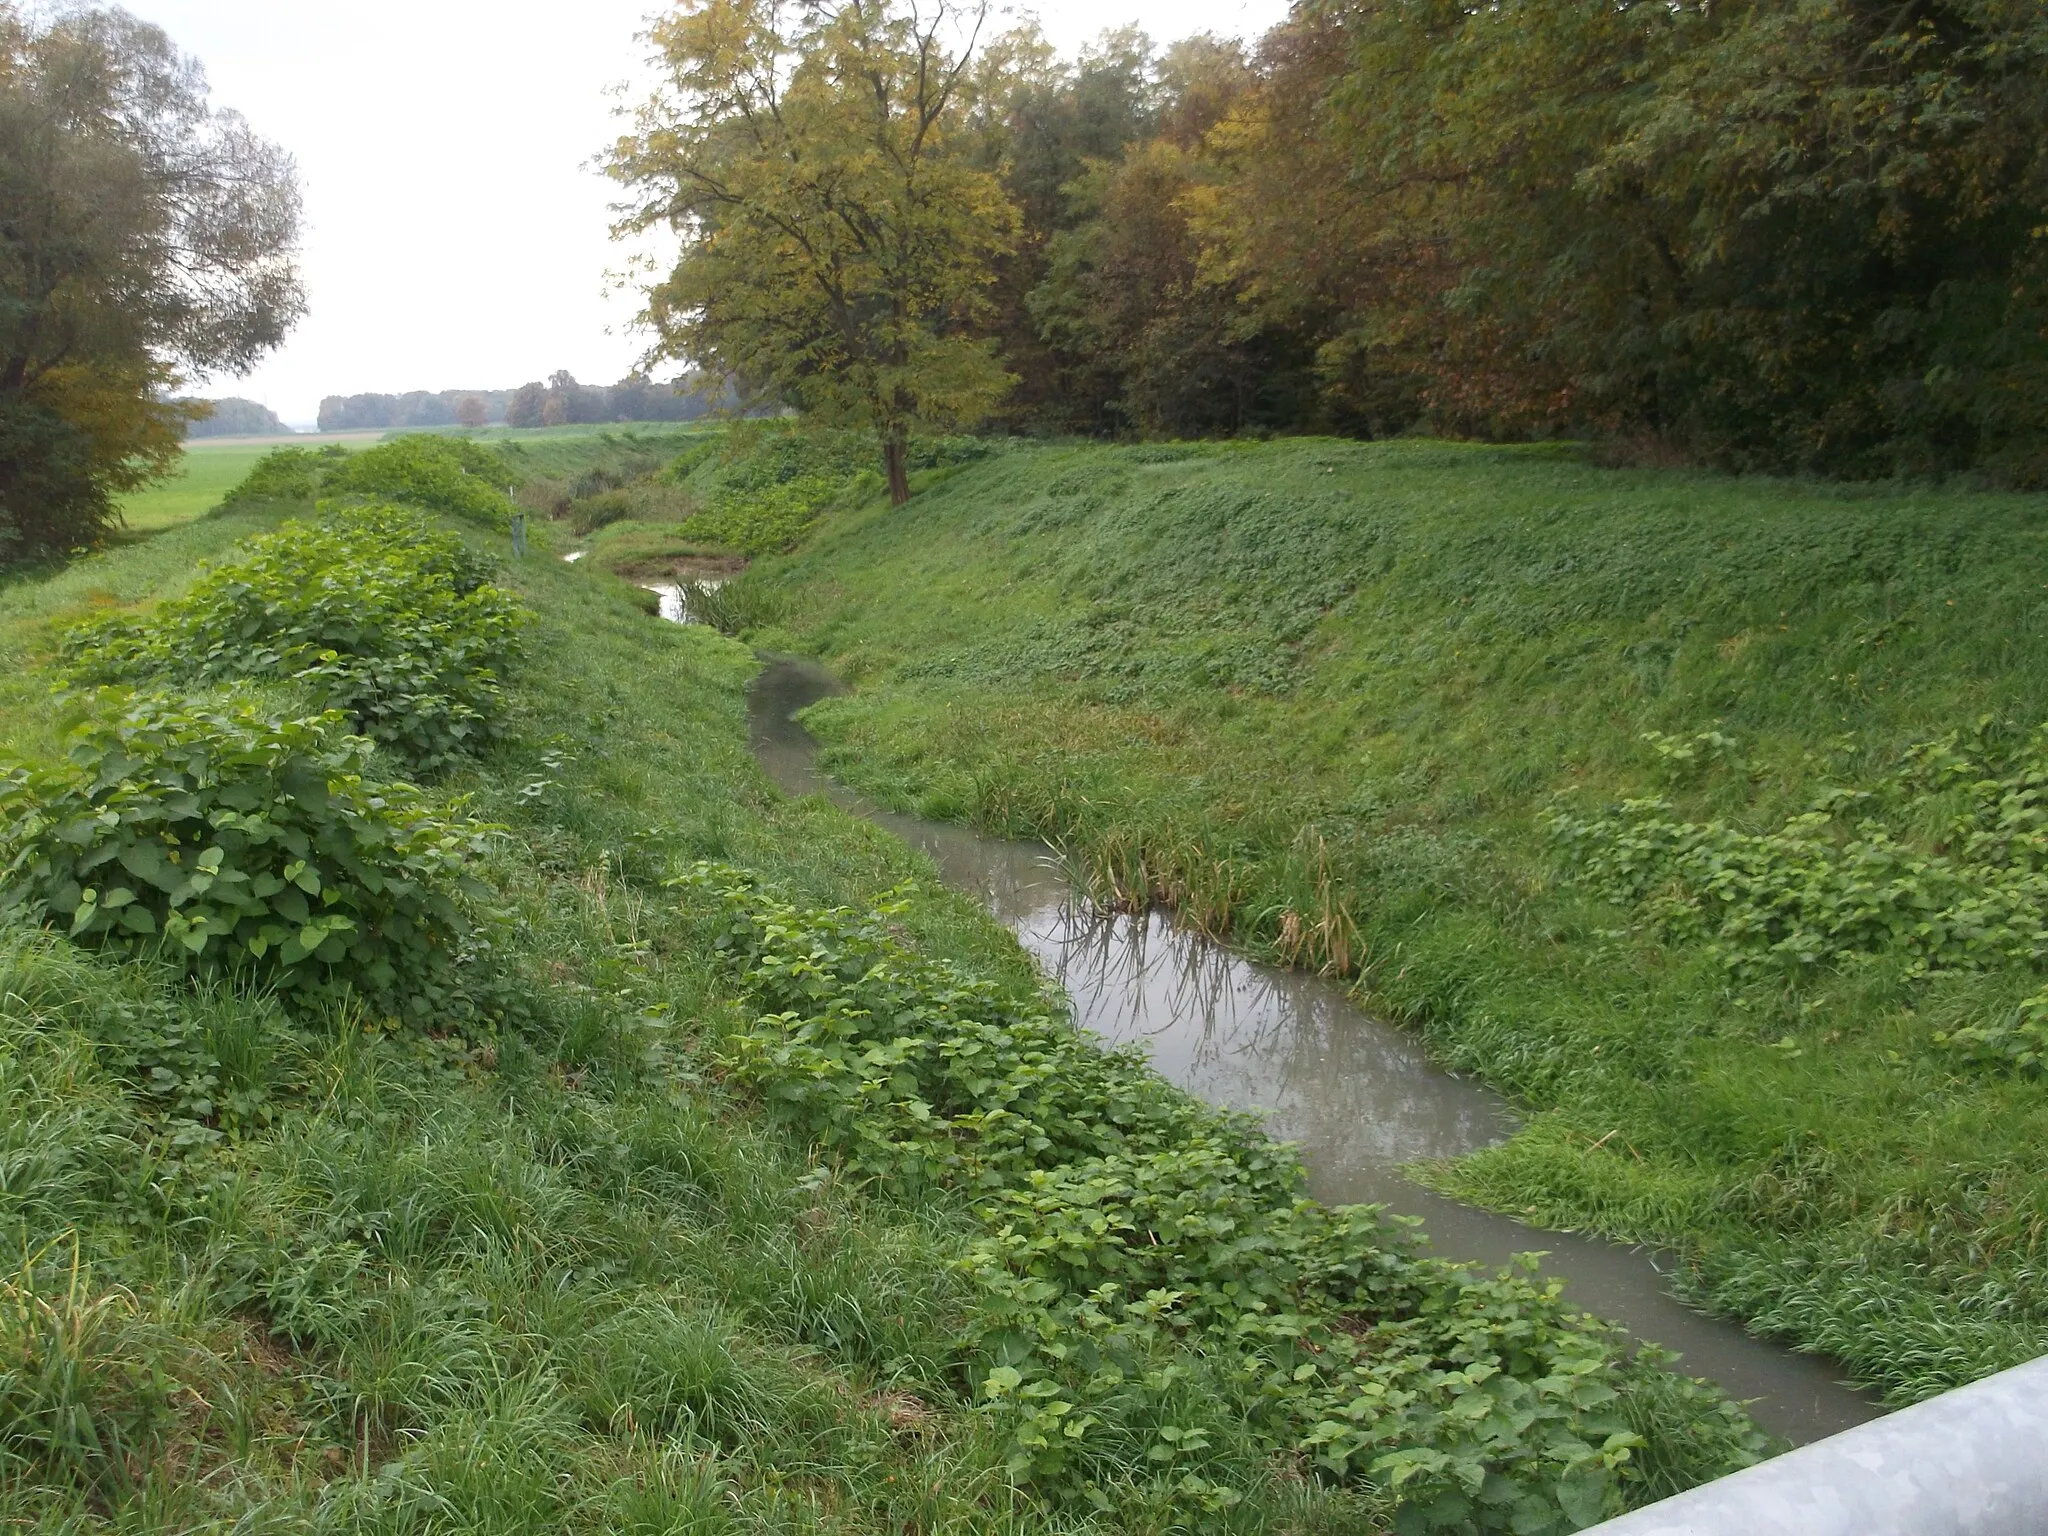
(1793, 236)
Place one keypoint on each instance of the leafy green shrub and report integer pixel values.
(1944, 863)
(771, 518)
(438, 474)
(2015, 1038)
(286, 475)
(243, 843)
(589, 513)
(379, 615)
(1145, 1258)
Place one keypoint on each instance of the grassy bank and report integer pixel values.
(726, 1196)
(1525, 747)
(307, 1271)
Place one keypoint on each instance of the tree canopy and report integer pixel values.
(838, 236)
(1801, 234)
(1770, 234)
(143, 234)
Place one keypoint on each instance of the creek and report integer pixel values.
(1357, 1093)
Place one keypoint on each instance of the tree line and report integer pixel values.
(560, 401)
(235, 417)
(1793, 235)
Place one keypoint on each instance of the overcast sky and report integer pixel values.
(455, 237)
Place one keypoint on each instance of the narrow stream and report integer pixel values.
(675, 597)
(675, 606)
(1356, 1092)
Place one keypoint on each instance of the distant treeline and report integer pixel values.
(236, 417)
(561, 401)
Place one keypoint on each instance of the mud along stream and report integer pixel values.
(1357, 1093)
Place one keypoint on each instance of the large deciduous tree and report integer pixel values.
(528, 407)
(838, 235)
(143, 234)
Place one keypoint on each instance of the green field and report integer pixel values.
(1373, 709)
(205, 474)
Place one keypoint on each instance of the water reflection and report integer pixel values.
(1356, 1092)
(674, 606)
(675, 597)
(1361, 1101)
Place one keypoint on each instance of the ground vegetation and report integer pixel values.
(1696, 813)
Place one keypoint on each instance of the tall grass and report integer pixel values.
(731, 607)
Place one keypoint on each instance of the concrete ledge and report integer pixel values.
(1972, 1462)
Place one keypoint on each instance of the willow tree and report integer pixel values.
(838, 242)
(143, 234)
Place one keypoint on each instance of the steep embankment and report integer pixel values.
(591, 1139)
(1703, 814)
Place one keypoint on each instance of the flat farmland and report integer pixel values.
(211, 467)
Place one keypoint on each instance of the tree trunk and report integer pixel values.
(895, 454)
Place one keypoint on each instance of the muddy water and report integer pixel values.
(1356, 1092)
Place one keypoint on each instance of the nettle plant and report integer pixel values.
(435, 474)
(376, 613)
(440, 474)
(286, 475)
(1942, 863)
(1161, 1306)
(246, 845)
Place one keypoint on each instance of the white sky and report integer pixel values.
(455, 237)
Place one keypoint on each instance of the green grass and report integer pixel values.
(569, 1271)
(552, 1278)
(566, 451)
(204, 475)
(1319, 695)
(634, 547)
